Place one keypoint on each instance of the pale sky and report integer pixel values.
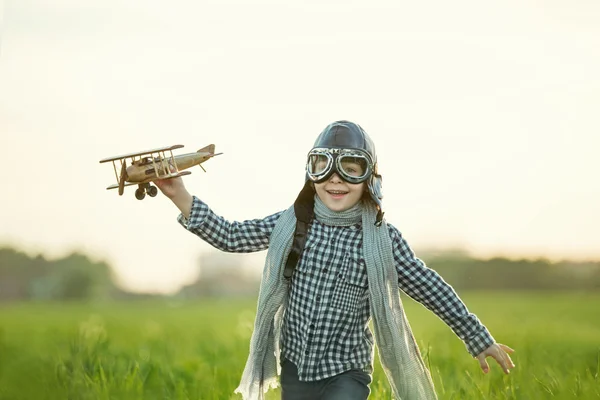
(485, 116)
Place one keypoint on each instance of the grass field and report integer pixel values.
(198, 350)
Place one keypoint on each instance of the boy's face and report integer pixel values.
(339, 195)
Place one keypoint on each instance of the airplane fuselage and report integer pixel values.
(143, 170)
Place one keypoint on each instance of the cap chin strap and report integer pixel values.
(374, 187)
(379, 218)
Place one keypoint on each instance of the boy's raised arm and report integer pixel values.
(198, 218)
(230, 236)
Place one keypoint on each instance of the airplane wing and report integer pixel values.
(170, 176)
(173, 175)
(141, 153)
(116, 185)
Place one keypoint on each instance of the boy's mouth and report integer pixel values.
(337, 194)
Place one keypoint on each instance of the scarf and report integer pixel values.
(398, 351)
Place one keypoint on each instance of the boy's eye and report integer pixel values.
(353, 168)
(318, 164)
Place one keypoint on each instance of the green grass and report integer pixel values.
(198, 350)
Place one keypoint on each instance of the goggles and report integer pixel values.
(352, 165)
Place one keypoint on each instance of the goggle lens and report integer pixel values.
(353, 166)
(318, 163)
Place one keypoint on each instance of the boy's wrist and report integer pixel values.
(183, 201)
(181, 194)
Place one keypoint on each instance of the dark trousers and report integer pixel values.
(349, 385)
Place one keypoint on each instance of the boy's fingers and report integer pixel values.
(483, 363)
(506, 348)
(510, 361)
(506, 351)
(511, 364)
(498, 353)
(503, 362)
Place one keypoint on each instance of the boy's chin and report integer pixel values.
(337, 207)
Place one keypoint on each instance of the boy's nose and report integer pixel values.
(335, 178)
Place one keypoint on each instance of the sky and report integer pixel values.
(485, 116)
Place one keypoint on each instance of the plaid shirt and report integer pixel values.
(325, 327)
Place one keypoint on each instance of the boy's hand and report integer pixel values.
(170, 187)
(175, 190)
(173, 187)
(500, 354)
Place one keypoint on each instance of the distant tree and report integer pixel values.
(15, 272)
(72, 277)
(81, 278)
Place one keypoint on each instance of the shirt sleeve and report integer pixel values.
(234, 237)
(428, 288)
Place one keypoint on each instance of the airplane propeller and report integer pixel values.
(122, 178)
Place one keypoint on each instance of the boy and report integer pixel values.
(333, 264)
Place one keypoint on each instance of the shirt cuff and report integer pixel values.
(478, 343)
(198, 214)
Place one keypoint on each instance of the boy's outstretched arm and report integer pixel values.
(236, 237)
(428, 288)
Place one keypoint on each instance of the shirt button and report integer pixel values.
(307, 352)
(324, 270)
(312, 326)
(318, 297)
(340, 275)
(332, 241)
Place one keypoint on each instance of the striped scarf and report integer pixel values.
(398, 351)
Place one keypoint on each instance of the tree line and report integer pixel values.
(77, 277)
(74, 277)
(465, 272)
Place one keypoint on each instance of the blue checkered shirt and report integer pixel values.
(325, 327)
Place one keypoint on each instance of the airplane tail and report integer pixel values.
(208, 149)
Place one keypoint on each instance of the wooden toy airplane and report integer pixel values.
(149, 165)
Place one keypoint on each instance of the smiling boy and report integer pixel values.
(333, 265)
